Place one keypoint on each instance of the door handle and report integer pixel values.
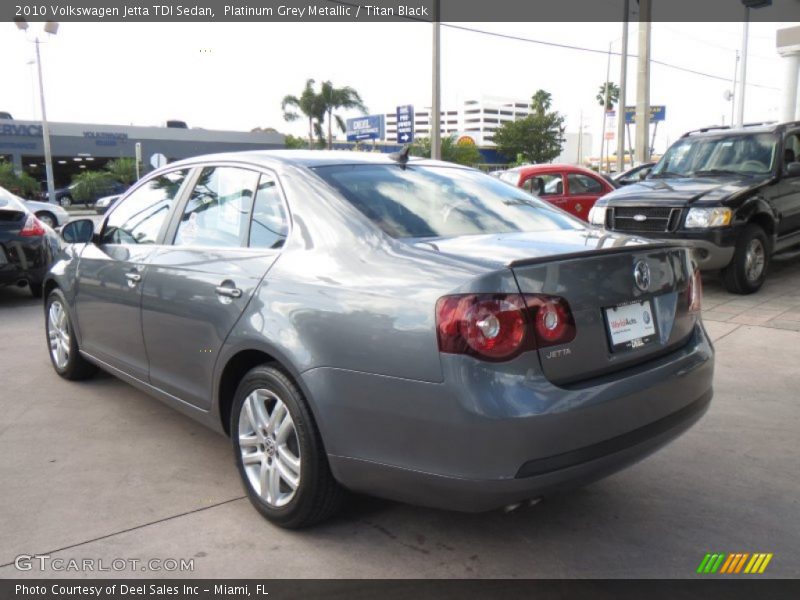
(228, 292)
(133, 278)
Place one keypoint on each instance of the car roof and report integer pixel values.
(308, 158)
(528, 169)
(752, 128)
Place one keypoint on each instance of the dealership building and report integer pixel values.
(79, 146)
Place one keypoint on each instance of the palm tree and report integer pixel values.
(613, 95)
(310, 105)
(335, 98)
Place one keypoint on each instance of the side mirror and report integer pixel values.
(793, 169)
(80, 231)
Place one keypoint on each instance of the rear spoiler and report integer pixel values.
(526, 262)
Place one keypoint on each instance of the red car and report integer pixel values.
(573, 189)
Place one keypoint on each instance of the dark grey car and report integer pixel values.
(408, 329)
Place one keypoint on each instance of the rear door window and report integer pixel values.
(269, 224)
(217, 212)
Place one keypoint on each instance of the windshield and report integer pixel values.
(745, 154)
(424, 202)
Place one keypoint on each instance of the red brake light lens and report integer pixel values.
(695, 292)
(497, 327)
(553, 321)
(33, 227)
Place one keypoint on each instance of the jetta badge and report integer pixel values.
(640, 218)
(641, 275)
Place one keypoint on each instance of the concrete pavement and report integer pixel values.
(99, 470)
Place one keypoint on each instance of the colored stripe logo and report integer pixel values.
(734, 563)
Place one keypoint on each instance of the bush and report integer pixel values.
(90, 185)
(122, 169)
(20, 184)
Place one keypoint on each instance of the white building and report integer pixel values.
(478, 119)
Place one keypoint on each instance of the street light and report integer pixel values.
(50, 28)
(748, 4)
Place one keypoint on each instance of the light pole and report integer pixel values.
(748, 4)
(623, 89)
(436, 125)
(51, 27)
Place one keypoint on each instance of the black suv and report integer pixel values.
(731, 194)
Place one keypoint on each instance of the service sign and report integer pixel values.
(365, 128)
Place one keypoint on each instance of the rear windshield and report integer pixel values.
(425, 202)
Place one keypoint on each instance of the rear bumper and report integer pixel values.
(479, 442)
(554, 474)
(27, 259)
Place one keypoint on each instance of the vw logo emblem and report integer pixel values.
(641, 275)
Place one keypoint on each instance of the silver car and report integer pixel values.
(404, 328)
(48, 213)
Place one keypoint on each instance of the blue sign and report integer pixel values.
(365, 128)
(657, 113)
(405, 124)
(21, 130)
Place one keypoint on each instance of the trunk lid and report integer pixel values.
(619, 322)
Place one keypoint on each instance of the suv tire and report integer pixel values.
(748, 269)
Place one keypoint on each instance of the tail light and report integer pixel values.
(33, 227)
(497, 327)
(694, 292)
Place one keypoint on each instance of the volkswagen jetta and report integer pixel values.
(404, 328)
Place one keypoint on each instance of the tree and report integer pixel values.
(538, 138)
(452, 151)
(613, 95)
(90, 185)
(20, 184)
(295, 143)
(334, 98)
(122, 169)
(310, 105)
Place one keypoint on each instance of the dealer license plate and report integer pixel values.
(631, 325)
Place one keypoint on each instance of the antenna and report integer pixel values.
(401, 156)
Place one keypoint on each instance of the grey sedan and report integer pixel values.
(404, 328)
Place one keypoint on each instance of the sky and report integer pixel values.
(232, 76)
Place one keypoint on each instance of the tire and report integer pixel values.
(288, 451)
(57, 322)
(66, 201)
(36, 289)
(748, 269)
(48, 219)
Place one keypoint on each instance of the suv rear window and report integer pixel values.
(424, 202)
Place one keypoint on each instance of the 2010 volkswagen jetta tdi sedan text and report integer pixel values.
(405, 328)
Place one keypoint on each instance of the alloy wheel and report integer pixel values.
(269, 447)
(754, 261)
(58, 333)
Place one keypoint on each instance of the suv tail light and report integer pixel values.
(497, 327)
(33, 227)
(695, 292)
